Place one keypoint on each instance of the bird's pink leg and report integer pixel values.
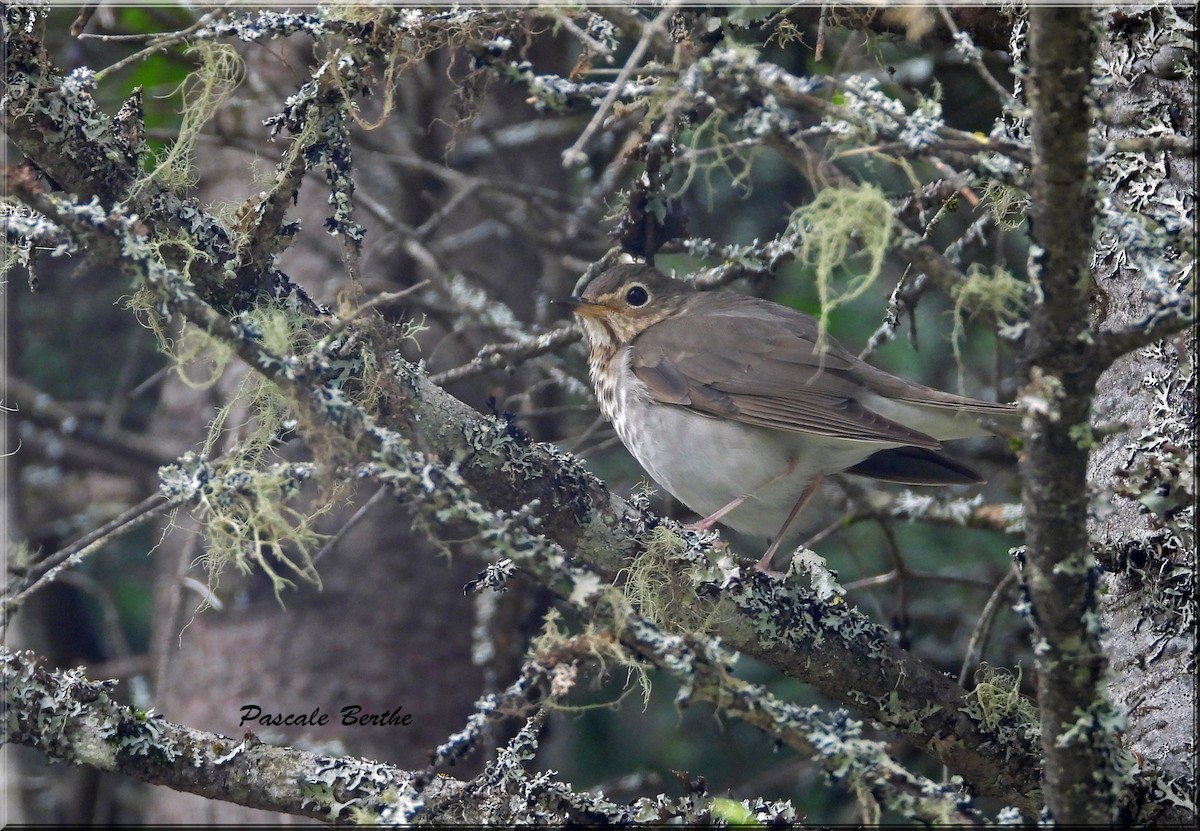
(764, 564)
(712, 519)
(715, 517)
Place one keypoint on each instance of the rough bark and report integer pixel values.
(1143, 523)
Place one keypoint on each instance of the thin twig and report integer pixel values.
(822, 19)
(162, 43)
(612, 440)
(924, 576)
(594, 46)
(383, 299)
(574, 155)
(36, 406)
(85, 15)
(975, 60)
(350, 523)
(509, 354)
(983, 629)
(48, 569)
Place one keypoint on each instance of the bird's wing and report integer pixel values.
(758, 363)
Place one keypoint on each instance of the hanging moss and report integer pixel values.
(838, 224)
(204, 91)
(995, 293)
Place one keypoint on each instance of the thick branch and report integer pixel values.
(108, 736)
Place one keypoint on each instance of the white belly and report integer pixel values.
(708, 462)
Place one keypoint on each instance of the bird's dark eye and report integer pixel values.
(637, 296)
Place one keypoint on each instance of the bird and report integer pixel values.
(738, 406)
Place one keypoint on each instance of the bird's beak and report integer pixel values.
(581, 307)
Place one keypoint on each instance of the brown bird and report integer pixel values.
(728, 402)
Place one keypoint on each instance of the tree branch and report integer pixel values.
(70, 718)
(126, 448)
(49, 568)
(1160, 324)
(1080, 738)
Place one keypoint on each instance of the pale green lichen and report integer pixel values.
(353, 777)
(71, 718)
(246, 520)
(652, 586)
(924, 123)
(994, 293)
(1149, 213)
(243, 500)
(220, 73)
(1099, 727)
(823, 579)
(497, 443)
(997, 704)
(839, 223)
(711, 150)
(1006, 204)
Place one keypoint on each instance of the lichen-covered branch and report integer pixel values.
(704, 669)
(49, 567)
(75, 720)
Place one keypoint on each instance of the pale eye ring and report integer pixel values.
(637, 296)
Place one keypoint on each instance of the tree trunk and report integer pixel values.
(1145, 529)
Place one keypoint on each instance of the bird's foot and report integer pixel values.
(764, 562)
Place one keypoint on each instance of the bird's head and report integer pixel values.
(619, 304)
